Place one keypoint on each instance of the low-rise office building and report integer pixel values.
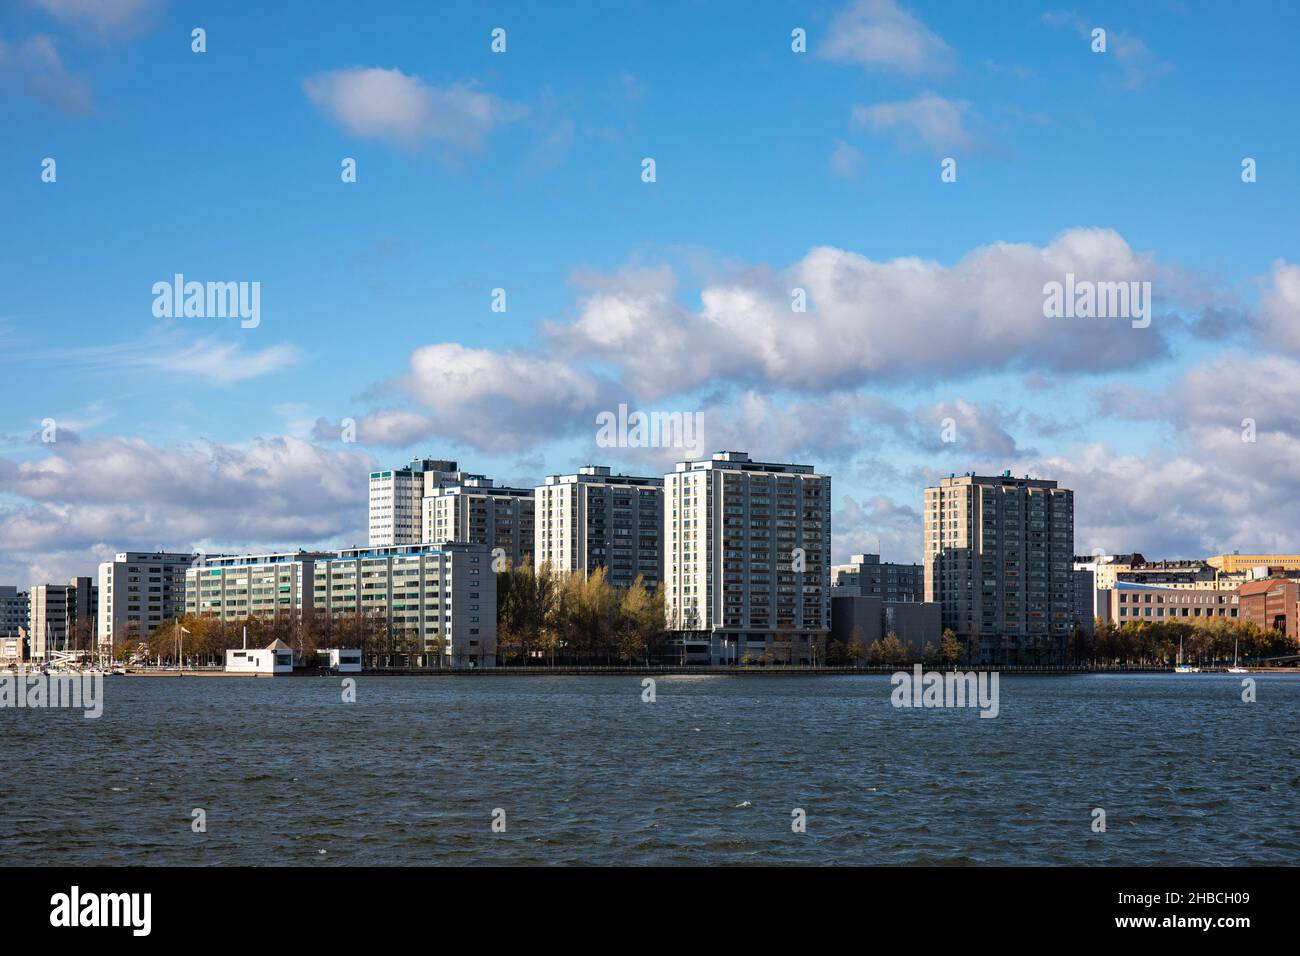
(13, 610)
(1133, 603)
(1272, 604)
(48, 617)
(62, 617)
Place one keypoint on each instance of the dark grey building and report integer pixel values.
(856, 617)
(887, 581)
(1085, 599)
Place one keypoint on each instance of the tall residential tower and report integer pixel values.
(396, 498)
(594, 519)
(747, 558)
(999, 559)
(476, 511)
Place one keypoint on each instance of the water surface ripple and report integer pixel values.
(708, 774)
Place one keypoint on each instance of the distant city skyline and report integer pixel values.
(799, 280)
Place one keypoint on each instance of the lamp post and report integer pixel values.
(180, 660)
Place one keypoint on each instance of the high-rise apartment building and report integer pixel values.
(396, 498)
(476, 511)
(884, 580)
(747, 548)
(138, 590)
(593, 519)
(440, 599)
(999, 559)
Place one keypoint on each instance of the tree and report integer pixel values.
(781, 650)
(1079, 647)
(599, 615)
(81, 636)
(523, 603)
(892, 649)
(949, 648)
(858, 652)
(640, 628)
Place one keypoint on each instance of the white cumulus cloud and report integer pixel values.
(402, 109)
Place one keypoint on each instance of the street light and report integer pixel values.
(180, 660)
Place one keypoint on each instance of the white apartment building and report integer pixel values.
(138, 590)
(233, 587)
(441, 596)
(736, 534)
(999, 559)
(395, 499)
(594, 519)
(478, 512)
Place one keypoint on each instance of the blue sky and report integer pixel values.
(522, 170)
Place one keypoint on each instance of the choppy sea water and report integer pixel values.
(707, 774)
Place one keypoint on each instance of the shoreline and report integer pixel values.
(673, 670)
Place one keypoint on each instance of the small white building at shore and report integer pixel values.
(275, 658)
(341, 660)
